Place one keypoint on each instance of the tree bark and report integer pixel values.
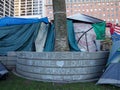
(59, 10)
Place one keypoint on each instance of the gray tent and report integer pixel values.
(84, 18)
(84, 30)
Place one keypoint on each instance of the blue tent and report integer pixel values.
(3, 71)
(19, 34)
(112, 73)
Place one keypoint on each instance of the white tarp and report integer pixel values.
(87, 41)
(41, 38)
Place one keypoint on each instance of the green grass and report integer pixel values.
(14, 82)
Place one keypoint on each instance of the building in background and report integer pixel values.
(6, 8)
(107, 10)
(29, 8)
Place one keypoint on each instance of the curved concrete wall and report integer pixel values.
(61, 66)
(10, 60)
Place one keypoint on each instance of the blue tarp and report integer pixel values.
(7, 21)
(18, 37)
(49, 46)
(19, 34)
(71, 36)
(50, 41)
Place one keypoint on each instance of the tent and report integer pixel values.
(26, 34)
(85, 18)
(112, 72)
(86, 30)
(82, 21)
(33, 34)
(3, 71)
(19, 34)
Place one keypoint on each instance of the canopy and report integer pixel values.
(85, 18)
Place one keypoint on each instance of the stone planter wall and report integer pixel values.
(61, 66)
(9, 61)
(3, 60)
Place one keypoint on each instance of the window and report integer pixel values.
(117, 9)
(108, 19)
(87, 10)
(103, 15)
(107, 4)
(91, 10)
(95, 9)
(75, 0)
(112, 19)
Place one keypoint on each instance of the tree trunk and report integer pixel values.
(59, 10)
